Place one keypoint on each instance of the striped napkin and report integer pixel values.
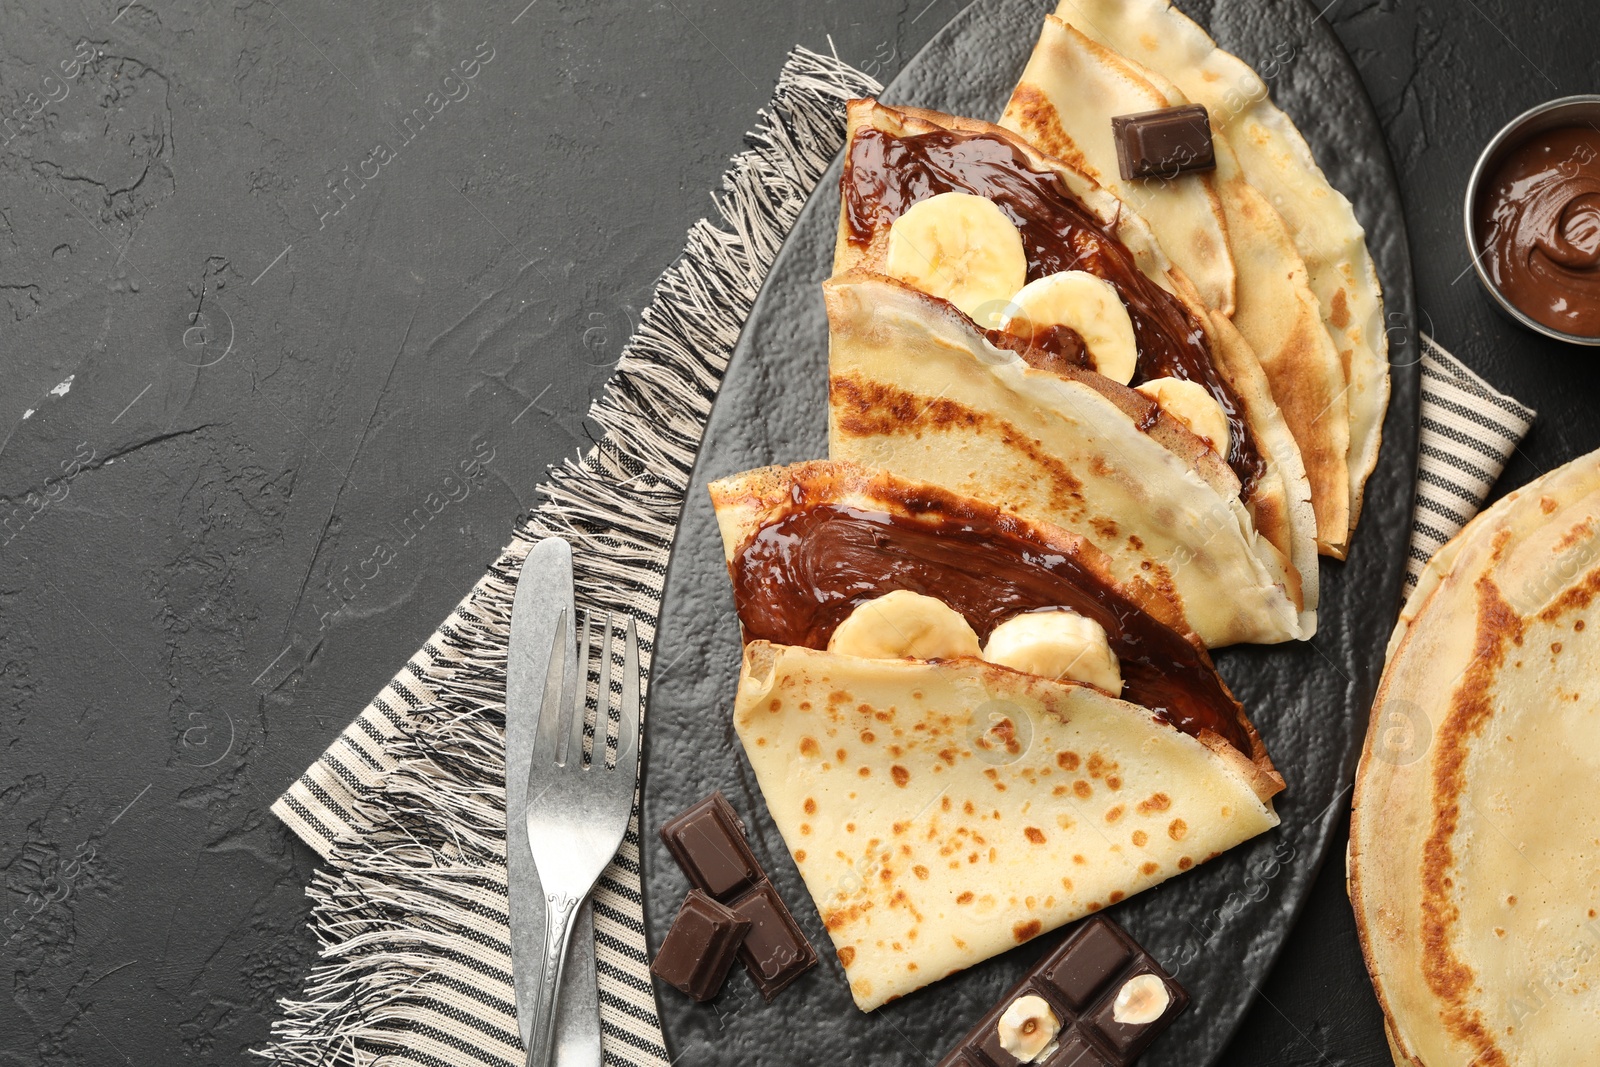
(1469, 430)
(407, 807)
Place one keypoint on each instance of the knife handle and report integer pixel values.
(560, 908)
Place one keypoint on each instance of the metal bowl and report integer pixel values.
(1567, 111)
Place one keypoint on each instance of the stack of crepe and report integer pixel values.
(1081, 431)
(1265, 239)
(919, 387)
(1473, 858)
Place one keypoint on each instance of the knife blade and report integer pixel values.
(543, 601)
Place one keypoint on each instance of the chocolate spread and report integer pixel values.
(885, 175)
(798, 577)
(1538, 219)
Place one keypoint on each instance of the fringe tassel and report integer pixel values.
(411, 912)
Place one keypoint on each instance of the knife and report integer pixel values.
(544, 599)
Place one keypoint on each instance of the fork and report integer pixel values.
(579, 812)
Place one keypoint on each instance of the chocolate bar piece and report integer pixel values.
(700, 947)
(709, 844)
(775, 952)
(1098, 1000)
(1164, 143)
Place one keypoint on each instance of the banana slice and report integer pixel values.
(901, 624)
(1087, 304)
(1056, 644)
(1191, 404)
(961, 248)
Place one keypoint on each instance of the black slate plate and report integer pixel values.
(1220, 927)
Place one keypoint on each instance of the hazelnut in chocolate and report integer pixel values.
(1098, 1000)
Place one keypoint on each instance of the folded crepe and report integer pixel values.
(943, 811)
(1475, 842)
(1276, 160)
(1063, 105)
(918, 387)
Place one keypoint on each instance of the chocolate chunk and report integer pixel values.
(1098, 955)
(1110, 996)
(708, 843)
(1164, 143)
(700, 947)
(775, 952)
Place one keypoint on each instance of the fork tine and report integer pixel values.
(602, 715)
(581, 707)
(573, 752)
(628, 728)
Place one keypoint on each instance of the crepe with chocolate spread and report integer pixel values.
(1064, 104)
(920, 388)
(942, 810)
(1276, 160)
(1475, 840)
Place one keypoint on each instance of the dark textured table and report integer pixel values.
(296, 304)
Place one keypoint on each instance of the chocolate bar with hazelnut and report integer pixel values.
(1097, 1000)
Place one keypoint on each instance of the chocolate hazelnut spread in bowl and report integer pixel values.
(1533, 219)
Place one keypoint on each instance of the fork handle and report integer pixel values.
(559, 911)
